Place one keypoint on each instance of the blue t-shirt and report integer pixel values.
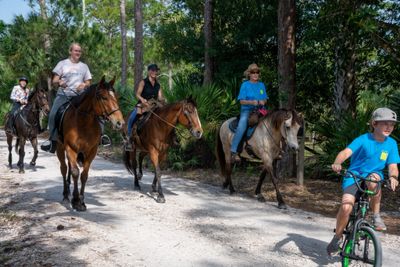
(252, 91)
(370, 156)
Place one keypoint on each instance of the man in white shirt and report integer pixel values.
(71, 76)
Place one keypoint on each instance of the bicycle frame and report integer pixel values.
(358, 224)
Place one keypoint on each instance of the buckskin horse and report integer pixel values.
(154, 138)
(27, 126)
(265, 144)
(80, 134)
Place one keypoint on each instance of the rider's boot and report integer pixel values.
(49, 146)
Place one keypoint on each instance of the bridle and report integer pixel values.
(104, 113)
(185, 112)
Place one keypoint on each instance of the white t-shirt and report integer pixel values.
(73, 74)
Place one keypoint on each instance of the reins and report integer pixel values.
(170, 124)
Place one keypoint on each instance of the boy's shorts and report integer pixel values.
(352, 190)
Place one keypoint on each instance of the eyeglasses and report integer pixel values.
(254, 72)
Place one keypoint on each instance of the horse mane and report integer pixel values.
(32, 94)
(80, 98)
(278, 116)
(171, 105)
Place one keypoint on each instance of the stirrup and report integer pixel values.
(105, 140)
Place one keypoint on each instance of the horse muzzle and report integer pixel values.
(196, 133)
(118, 125)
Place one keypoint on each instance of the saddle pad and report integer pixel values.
(233, 126)
(59, 119)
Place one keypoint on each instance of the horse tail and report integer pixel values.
(16, 145)
(127, 161)
(220, 153)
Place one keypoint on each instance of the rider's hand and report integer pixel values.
(62, 84)
(336, 167)
(393, 183)
(81, 86)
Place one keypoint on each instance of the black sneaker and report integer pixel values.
(105, 140)
(49, 146)
(334, 245)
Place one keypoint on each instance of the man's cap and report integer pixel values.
(153, 67)
(384, 114)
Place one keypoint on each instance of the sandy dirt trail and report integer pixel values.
(199, 225)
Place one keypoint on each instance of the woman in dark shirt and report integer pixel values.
(149, 88)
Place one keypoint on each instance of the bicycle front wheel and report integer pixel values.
(365, 250)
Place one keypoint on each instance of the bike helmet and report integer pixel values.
(23, 78)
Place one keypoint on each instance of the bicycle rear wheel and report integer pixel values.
(365, 251)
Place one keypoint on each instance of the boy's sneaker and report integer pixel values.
(378, 223)
(334, 245)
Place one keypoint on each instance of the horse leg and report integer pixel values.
(134, 166)
(281, 203)
(35, 151)
(228, 178)
(84, 177)
(21, 152)
(9, 143)
(63, 169)
(72, 159)
(154, 156)
(141, 157)
(259, 196)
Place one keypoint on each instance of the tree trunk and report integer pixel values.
(344, 90)
(286, 53)
(287, 74)
(208, 28)
(124, 54)
(138, 43)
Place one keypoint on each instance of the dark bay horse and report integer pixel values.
(155, 138)
(265, 143)
(81, 135)
(27, 126)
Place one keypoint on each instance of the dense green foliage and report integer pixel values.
(244, 32)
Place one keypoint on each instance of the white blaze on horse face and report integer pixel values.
(291, 133)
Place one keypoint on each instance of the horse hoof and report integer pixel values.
(260, 198)
(21, 171)
(224, 185)
(65, 200)
(160, 199)
(282, 206)
(232, 191)
(137, 187)
(80, 207)
(33, 163)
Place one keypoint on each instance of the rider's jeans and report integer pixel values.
(131, 121)
(241, 128)
(58, 102)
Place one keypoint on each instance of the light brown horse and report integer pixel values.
(265, 143)
(27, 126)
(81, 135)
(155, 138)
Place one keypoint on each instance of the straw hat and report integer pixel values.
(251, 68)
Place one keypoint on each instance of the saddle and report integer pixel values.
(253, 120)
(59, 118)
(142, 119)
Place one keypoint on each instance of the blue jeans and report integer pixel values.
(131, 121)
(57, 103)
(241, 128)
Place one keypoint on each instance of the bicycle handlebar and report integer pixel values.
(358, 178)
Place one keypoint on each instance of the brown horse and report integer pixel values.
(265, 143)
(155, 138)
(27, 126)
(81, 134)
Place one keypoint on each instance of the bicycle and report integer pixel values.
(361, 243)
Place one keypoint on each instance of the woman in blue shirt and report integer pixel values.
(252, 94)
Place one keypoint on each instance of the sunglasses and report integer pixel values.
(254, 72)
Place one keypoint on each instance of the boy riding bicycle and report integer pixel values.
(369, 153)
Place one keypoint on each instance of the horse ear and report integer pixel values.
(103, 79)
(112, 82)
(288, 114)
